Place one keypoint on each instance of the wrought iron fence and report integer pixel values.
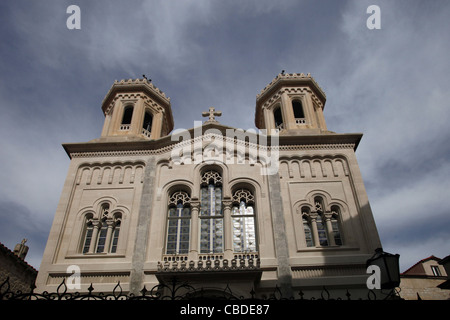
(172, 290)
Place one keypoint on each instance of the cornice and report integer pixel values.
(105, 148)
(165, 150)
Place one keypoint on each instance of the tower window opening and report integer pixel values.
(127, 115)
(298, 111)
(278, 118)
(147, 124)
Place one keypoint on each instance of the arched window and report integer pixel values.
(321, 228)
(298, 111)
(116, 232)
(335, 216)
(101, 235)
(127, 115)
(211, 215)
(87, 232)
(243, 219)
(278, 118)
(179, 223)
(307, 227)
(147, 124)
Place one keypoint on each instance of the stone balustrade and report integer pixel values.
(209, 262)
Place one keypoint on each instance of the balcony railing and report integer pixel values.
(209, 262)
(125, 127)
(146, 132)
(300, 120)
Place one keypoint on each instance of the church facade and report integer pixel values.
(282, 208)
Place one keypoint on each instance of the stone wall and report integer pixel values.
(21, 274)
(426, 287)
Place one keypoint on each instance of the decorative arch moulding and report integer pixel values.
(106, 172)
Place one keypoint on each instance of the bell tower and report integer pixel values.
(292, 103)
(136, 110)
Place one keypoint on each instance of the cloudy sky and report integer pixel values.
(391, 84)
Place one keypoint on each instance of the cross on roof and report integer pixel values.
(212, 113)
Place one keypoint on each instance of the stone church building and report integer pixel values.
(282, 208)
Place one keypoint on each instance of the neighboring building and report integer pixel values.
(445, 262)
(214, 206)
(427, 280)
(14, 271)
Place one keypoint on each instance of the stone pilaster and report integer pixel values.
(143, 227)
(281, 246)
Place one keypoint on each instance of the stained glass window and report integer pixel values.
(102, 237)
(321, 224)
(336, 233)
(179, 224)
(88, 237)
(211, 236)
(308, 233)
(101, 234)
(211, 215)
(323, 239)
(244, 235)
(115, 239)
(335, 225)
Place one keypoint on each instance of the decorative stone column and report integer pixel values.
(287, 112)
(313, 216)
(310, 114)
(157, 125)
(227, 229)
(138, 117)
(327, 215)
(110, 224)
(193, 241)
(269, 120)
(96, 225)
